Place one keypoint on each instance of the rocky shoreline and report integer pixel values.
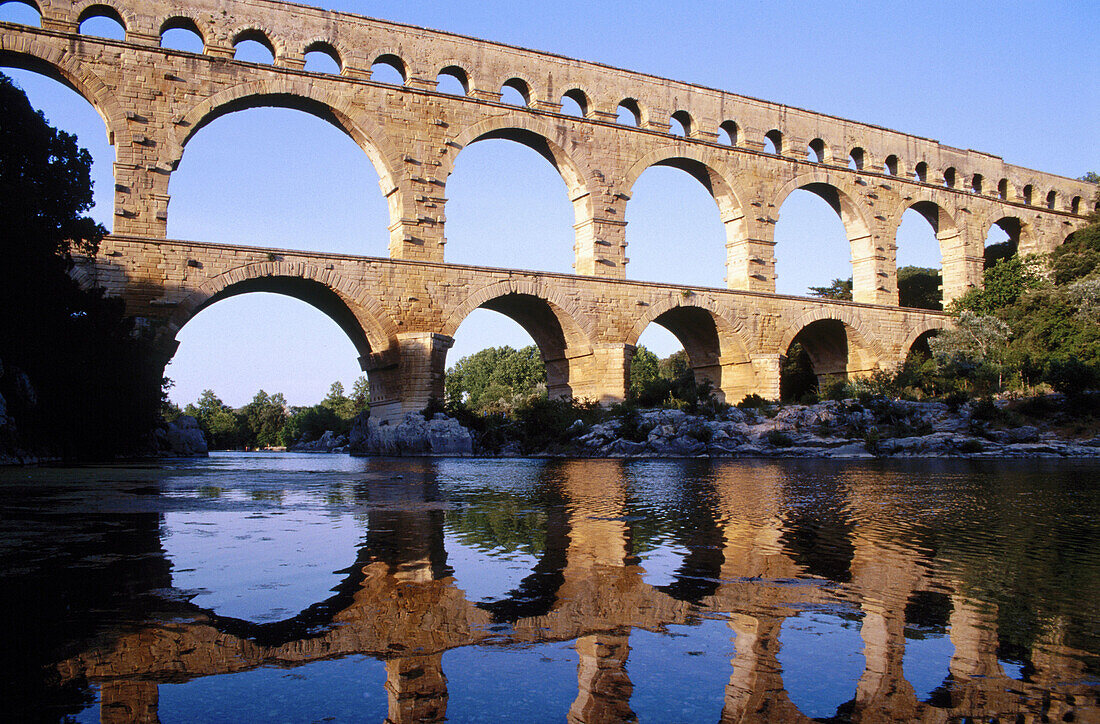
(849, 429)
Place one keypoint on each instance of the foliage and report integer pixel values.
(495, 375)
(839, 289)
(919, 287)
(1003, 284)
(644, 370)
(79, 383)
(1078, 257)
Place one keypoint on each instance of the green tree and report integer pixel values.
(97, 388)
(265, 415)
(360, 393)
(919, 287)
(495, 373)
(839, 289)
(644, 369)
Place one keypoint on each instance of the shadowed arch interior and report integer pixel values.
(715, 353)
(544, 322)
(834, 352)
(309, 291)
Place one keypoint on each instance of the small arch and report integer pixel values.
(574, 102)
(682, 119)
(890, 165)
(855, 159)
(388, 68)
(976, 183)
(102, 21)
(1002, 189)
(1029, 191)
(516, 92)
(949, 177)
(773, 142)
(182, 33)
(250, 44)
(728, 133)
(816, 151)
(920, 172)
(1052, 199)
(629, 113)
(1075, 205)
(453, 80)
(23, 12)
(322, 57)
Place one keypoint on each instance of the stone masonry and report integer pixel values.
(749, 154)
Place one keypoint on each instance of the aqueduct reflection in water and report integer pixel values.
(758, 548)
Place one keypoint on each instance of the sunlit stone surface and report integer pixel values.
(323, 587)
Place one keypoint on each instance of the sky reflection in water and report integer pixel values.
(300, 587)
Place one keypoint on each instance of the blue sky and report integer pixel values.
(1013, 79)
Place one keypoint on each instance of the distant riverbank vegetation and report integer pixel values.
(268, 422)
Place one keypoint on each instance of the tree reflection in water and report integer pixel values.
(938, 590)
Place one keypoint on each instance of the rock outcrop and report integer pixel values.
(181, 438)
(330, 442)
(414, 436)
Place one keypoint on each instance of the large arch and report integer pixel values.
(33, 55)
(857, 226)
(716, 347)
(562, 333)
(363, 320)
(537, 135)
(708, 171)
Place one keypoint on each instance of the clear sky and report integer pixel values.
(1014, 79)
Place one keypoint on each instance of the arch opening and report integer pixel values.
(243, 176)
(805, 230)
(728, 133)
(712, 351)
(919, 258)
(1029, 191)
(680, 124)
(515, 92)
(558, 338)
(815, 151)
(453, 80)
(976, 183)
(920, 172)
(773, 142)
(253, 46)
(226, 343)
(181, 33)
(72, 110)
(1075, 205)
(890, 165)
(388, 68)
(1003, 240)
(629, 113)
(821, 354)
(574, 103)
(322, 57)
(855, 159)
(1052, 199)
(102, 21)
(1002, 189)
(949, 177)
(505, 209)
(666, 210)
(23, 12)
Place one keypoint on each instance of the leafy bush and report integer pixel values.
(778, 438)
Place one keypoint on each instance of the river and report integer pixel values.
(302, 588)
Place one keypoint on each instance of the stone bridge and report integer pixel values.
(749, 154)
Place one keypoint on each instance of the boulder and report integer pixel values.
(184, 438)
(413, 436)
(329, 442)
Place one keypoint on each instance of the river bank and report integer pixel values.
(1047, 426)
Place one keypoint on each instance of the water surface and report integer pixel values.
(281, 587)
